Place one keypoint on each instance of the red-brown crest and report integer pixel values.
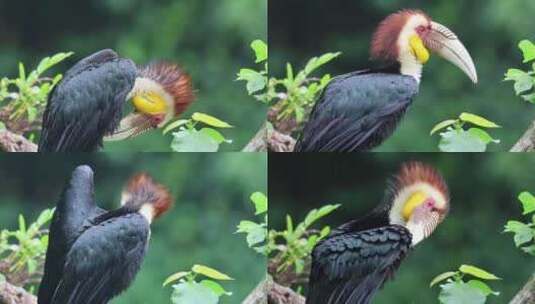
(416, 172)
(142, 187)
(174, 81)
(384, 42)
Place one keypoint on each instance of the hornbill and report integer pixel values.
(94, 255)
(87, 104)
(357, 258)
(359, 110)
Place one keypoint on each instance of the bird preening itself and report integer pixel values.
(86, 106)
(359, 110)
(357, 258)
(93, 254)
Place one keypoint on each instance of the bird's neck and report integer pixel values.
(410, 66)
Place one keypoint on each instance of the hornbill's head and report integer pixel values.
(408, 37)
(142, 194)
(161, 92)
(419, 200)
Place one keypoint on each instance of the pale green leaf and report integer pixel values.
(461, 141)
(461, 293)
(442, 277)
(260, 202)
(478, 120)
(528, 50)
(528, 202)
(210, 272)
(215, 287)
(175, 277)
(193, 141)
(483, 135)
(477, 272)
(210, 120)
(261, 50)
(193, 293)
(442, 125)
(483, 287)
(175, 124)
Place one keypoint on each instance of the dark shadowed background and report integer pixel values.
(209, 38)
(211, 194)
(490, 30)
(484, 190)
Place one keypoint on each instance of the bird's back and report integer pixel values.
(87, 103)
(357, 112)
(104, 260)
(349, 267)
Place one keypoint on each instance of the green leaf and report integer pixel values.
(514, 74)
(478, 120)
(215, 287)
(317, 62)
(316, 214)
(193, 141)
(461, 293)
(175, 277)
(442, 277)
(528, 202)
(461, 141)
(528, 50)
(32, 113)
(193, 293)
(256, 233)
(260, 202)
(523, 84)
(483, 287)
(483, 135)
(216, 135)
(210, 120)
(529, 98)
(442, 125)
(255, 80)
(210, 272)
(22, 72)
(477, 272)
(22, 224)
(261, 50)
(2, 126)
(175, 124)
(48, 62)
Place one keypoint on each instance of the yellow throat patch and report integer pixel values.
(418, 49)
(415, 200)
(150, 103)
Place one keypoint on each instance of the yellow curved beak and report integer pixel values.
(150, 103)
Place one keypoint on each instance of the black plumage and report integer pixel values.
(358, 111)
(350, 266)
(74, 210)
(87, 104)
(98, 268)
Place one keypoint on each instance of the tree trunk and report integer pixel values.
(527, 142)
(527, 294)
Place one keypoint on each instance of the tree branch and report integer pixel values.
(269, 139)
(274, 293)
(527, 294)
(12, 142)
(10, 294)
(527, 142)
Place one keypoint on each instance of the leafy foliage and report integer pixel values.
(189, 290)
(524, 80)
(455, 138)
(191, 138)
(256, 232)
(524, 233)
(23, 251)
(295, 94)
(457, 289)
(257, 80)
(293, 246)
(26, 95)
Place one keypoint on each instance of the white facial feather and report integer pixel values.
(409, 63)
(396, 217)
(147, 211)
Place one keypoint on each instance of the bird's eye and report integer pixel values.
(421, 29)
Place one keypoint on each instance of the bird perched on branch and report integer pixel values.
(93, 254)
(357, 258)
(87, 104)
(359, 110)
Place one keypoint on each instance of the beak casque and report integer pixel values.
(445, 43)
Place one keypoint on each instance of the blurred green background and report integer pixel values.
(490, 30)
(483, 187)
(211, 194)
(209, 38)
